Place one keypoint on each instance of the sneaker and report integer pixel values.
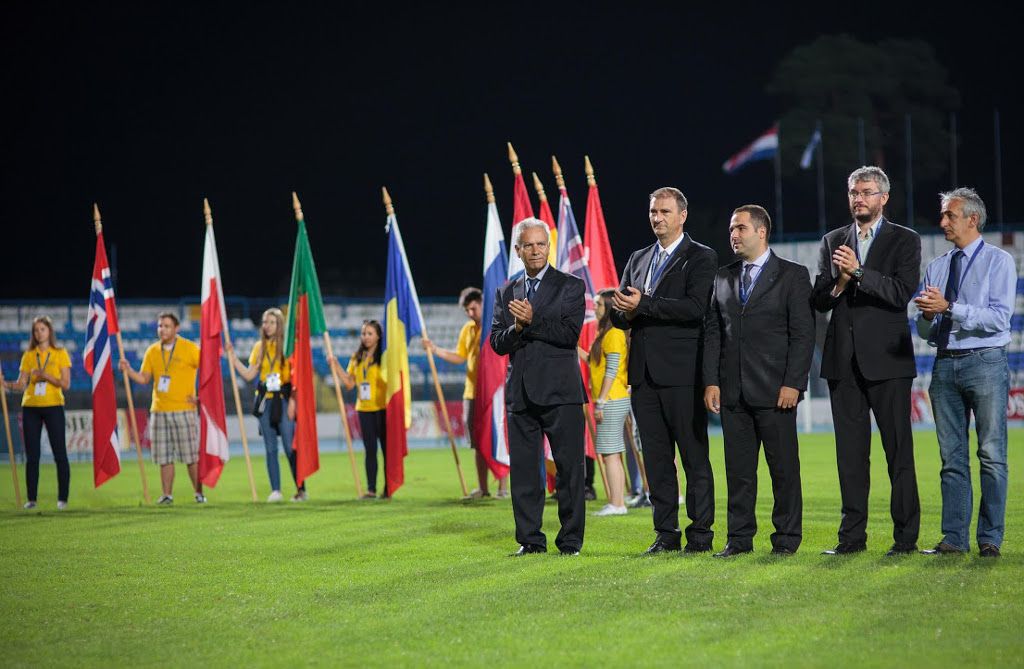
(612, 510)
(165, 500)
(300, 496)
(502, 494)
(30, 505)
(641, 502)
(200, 498)
(61, 505)
(589, 494)
(368, 495)
(275, 496)
(477, 494)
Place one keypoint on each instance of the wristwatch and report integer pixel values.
(858, 273)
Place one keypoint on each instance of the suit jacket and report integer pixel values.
(754, 349)
(542, 361)
(869, 319)
(666, 331)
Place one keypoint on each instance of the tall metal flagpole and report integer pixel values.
(333, 364)
(208, 215)
(389, 208)
(132, 424)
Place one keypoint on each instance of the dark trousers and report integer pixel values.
(668, 415)
(563, 425)
(293, 464)
(372, 423)
(33, 419)
(745, 428)
(853, 397)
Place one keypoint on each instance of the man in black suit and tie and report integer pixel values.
(758, 343)
(867, 274)
(537, 322)
(664, 295)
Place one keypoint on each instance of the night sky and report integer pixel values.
(147, 108)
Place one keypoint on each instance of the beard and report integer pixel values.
(866, 216)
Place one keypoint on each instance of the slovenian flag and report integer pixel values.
(213, 430)
(101, 325)
(403, 320)
(762, 148)
(489, 406)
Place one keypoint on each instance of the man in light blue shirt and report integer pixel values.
(965, 311)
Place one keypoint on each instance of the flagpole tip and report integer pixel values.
(207, 212)
(514, 159)
(297, 206)
(488, 189)
(96, 218)
(557, 169)
(388, 206)
(539, 187)
(589, 169)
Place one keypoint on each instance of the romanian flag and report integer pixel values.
(403, 320)
(305, 319)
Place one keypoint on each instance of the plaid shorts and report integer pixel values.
(175, 437)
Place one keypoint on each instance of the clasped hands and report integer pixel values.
(931, 302)
(713, 398)
(846, 261)
(522, 310)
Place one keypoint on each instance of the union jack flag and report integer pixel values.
(97, 360)
(572, 257)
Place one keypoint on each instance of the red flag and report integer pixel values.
(305, 442)
(96, 358)
(595, 239)
(213, 432)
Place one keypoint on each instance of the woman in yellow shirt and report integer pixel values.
(610, 393)
(273, 395)
(364, 371)
(45, 375)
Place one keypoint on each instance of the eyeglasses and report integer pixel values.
(854, 194)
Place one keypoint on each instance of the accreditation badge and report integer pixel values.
(273, 383)
(39, 389)
(164, 384)
(365, 392)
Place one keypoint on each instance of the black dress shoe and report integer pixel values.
(989, 550)
(846, 549)
(942, 548)
(527, 549)
(901, 549)
(569, 551)
(782, 550)
(660, 546)
(731, 550)
(589, 494)
(694, 547)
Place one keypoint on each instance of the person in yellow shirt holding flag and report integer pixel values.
(467, 351)
(171, 365)
(371, 401)
(45, 375)
(273, 397)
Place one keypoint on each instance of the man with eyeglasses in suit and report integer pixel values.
(867, 273)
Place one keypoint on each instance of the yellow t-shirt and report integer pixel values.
(52, 362)
(280, 365)
(371, 389)
(469, 348)
(614, 341)
(181, 364)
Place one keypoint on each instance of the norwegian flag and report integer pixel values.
(101, 325)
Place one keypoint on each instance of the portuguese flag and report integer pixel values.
(305, 319)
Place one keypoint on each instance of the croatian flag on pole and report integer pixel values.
(489, 405)
(213, 432)
(762, 148)
(97, 360)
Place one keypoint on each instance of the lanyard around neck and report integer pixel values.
(168, 359)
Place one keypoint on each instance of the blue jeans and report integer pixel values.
(285, 430)
(978, 383)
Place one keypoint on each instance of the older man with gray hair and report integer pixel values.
(965, 311)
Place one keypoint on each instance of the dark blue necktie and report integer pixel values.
(952, 291)
(745, 286)
(531, 288)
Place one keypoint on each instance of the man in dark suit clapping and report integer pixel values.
(758, 342)
(665, 291)
(867, 273)
(537, 322)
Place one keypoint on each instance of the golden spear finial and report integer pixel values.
(589, 169)
(388, 207)
(489, 189)
(557, 169)
(96, 218)
(539, 187)
(207, 212)
(514, 159)
(297, 207)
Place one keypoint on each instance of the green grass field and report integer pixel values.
(424, 580)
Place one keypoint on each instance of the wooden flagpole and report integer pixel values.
(332, 363)
(208, 215)
(636, 454)
(133, 426)
(390, 209)
(10, 442)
